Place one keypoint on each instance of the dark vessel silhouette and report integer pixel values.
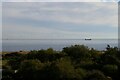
(88, 39)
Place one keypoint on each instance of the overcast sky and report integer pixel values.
(55, 20)
(61, 0)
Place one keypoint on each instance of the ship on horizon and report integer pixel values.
(88, 39)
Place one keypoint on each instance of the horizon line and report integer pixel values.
(59, 39)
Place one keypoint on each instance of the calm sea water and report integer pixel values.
(16, 45)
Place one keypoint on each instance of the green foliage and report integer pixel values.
(80, 73)
(94, 54)
(45, 55)
(14, 59)
(7, 72)
(110, 70)
(77, 52)
(29, 70)
(65, 68)
(76, 62)
(109, 59)
(31, 64)
(11, 55)
(111, 51)
(88, 65)
(95, 75)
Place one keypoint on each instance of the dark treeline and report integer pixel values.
(77, 62)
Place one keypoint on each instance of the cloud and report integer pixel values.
(0, 23)
(59, 20)
(51, 0)
(92, 13)
(110, 0)
(30, 32)
(60, 0)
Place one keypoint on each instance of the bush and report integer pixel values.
(45, 55)
(76, 62)
(77, 52)
(95, 75)
(110, 70)
(80, 73)
(29, 70)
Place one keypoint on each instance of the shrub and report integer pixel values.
(77, 52)
(95, 75)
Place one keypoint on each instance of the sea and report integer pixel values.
(56, 44)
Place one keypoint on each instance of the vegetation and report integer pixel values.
(77, 62)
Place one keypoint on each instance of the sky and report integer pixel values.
(59, 20)
(60, 0)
